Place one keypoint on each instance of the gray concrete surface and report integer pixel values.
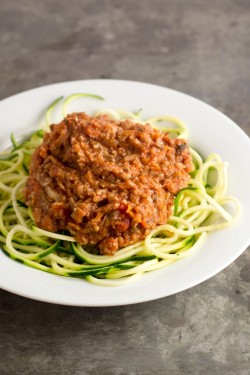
(200, 47)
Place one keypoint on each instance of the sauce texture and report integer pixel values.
(107, 182)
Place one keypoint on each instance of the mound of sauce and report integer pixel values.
(107, 182)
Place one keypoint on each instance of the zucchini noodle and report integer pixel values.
(200, 208)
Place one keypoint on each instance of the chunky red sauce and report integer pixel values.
(107, 182)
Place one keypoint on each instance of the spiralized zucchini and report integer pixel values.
(199, 208)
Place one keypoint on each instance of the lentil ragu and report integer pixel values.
(107, 182)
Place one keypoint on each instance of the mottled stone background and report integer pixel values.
(200, 47)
